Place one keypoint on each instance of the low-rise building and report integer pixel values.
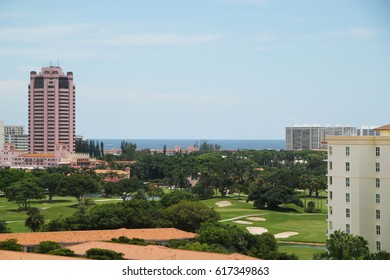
(14, 158)
(81, 241)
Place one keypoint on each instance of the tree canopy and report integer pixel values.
(78, 185)
(23, 192)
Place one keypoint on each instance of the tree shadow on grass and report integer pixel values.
(53, 201)
(280, 209)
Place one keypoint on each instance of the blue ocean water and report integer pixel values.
(225, 144)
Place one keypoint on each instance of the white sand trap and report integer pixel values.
(286, 234)
(223, 203)
(257, 230)
(243, 222)
(256, 219)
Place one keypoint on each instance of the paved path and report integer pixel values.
(241, 217)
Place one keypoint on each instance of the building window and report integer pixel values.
(377, 151)
(348, 228)
(347, 151)
(330, 150)
(330, 195)
(330, 180)
(378, 230)
(378, 245)
(377, 167)
(330, 210)
(378, 198)
(378, 182)
(347, 182)
(348, 213)
(330, 225)
(330, 165)
(347, 166)
(378, 214)
(347, 197)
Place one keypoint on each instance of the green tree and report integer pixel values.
(78, 185)
(103, 254)
(189, 215)
(11, 245)
(9, 176)
(273, 196)
(35, 220)
(46, 246)
(62, 252)
(4, 228)
(131, 187)
(175, 197)
(344, 246)
(23, 192)
(51, 181)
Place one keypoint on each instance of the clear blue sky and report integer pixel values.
(204, 69)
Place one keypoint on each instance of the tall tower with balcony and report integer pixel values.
(359, 187)
(51, 110)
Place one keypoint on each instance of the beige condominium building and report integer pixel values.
(359, 187)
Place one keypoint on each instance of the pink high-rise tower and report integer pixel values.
(51, 110)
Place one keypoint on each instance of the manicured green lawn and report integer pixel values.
(302, 252)
(59, 206)
(311, 227)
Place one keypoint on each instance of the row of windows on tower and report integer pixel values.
(348, 151)
(348, 182)
(63, 82)
(348, 197)
(348, 166)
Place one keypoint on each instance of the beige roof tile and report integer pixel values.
(154, 252)
(71, 237)
(13, 255)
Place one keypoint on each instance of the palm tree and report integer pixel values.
(35, 220)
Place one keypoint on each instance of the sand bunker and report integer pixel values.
(223, 203)
(256, 219)
(257, 230)
(243, 222)
(286, 234)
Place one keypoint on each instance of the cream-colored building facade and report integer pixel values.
(359, 187)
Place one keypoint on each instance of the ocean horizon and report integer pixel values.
(226, 144)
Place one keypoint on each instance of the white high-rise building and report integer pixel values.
(359, 187)
(312, 137)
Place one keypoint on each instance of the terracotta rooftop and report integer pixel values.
(154, 252)
(72, 237)
(13, 255)
(105, 171)
(38, 155)
(384, 127)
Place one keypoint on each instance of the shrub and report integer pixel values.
(103, 254)
(47, 246)
(10, 244)
(62, 252)
(310, 207)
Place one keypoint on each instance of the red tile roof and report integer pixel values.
(383, 127)
(13, 255)
(72, 237)
(154, 252)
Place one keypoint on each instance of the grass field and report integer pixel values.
(311, 227)
(59, 206)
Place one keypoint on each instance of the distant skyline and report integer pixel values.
(206, 69)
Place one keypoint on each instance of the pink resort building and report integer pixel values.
(11, 157)
(51, 110)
